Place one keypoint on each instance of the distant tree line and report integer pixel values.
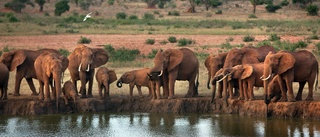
(62, 6)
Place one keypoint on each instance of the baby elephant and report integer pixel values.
(69, 91)
(104, 78)
(135, 78)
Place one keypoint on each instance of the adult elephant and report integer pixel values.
(82, 62)
(23, 61)
(245, 55)
(249, 75)
(49, 68)
(4, 79)
(177, 64)
(214, 63)
(136, 78)
(301, 66)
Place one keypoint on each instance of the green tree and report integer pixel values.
(40, 3)
(18, 5)
(61, 7)
(211, 3)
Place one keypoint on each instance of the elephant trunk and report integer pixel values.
(119, 83)
(209, 79)
(267, 72)
(57, 82)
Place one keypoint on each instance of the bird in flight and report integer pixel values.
(87, 16)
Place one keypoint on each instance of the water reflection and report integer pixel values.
(154, 124)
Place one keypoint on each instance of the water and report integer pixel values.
(150, 124)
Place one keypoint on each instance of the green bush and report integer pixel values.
(301, 44)
(274, 37)
(172, 39)
(61, 7)
(122, 54)
(13, 19)
(248, 38)
(152, 54)
(121, 15)
(150, 41)
(185, 42)
(133, 17)
(284, 3)
(219, 12)
(174, 13)
(312, 10)
(64, 52)
(272, 8)
(252, 16)
(84, 40)
(163, 42)
(148, 16)
(110, 2)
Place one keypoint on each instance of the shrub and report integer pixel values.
(148, 16)
(272, 8)
(84, 5)
(150, 41)
(274, 37)
(13, 19)
(185, 42)
(318, 46)
(248, 38)
(84, 40)
(122, 54)
(64, 52)
(172, 39)
(133, 17)
(226, 45)
(312, 10)
(252, 16)
(301, 44)
(152, 54)
(174, 13)
(163, 42)
(284, 3)
(121, 15)
(61, 7)
(110, 2)
(219, 12)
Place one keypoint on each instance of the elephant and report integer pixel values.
(49, 68)
(274, 90)
(300, 66)
(213, 63)
(4, 79)
(83, 61)
(249, 75)
(244, 55)
(156, 83)
(104, 78)
(177, 64)
(137, 78)
(23, 61)
(69, 91)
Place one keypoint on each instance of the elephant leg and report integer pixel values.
(220, 89)
(83, 84)
(244, 87)
(310, 87)
(299, 94)
(106, 91)
(131, 86)
(250, 90)
(172, 81)
(158, 90)
(289, 80)
(91, 75)
(139, 91)
(41, 94)
(165, 86)
(100, 89)
(213, 93)
(32, 87)
(242, 93)
(19, 78)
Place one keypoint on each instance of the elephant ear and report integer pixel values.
(112, 76)
(286, 61)
(247, 72)
(18, 58)
(64, 62)
(130, 76)
(175, 57)
(101, 57)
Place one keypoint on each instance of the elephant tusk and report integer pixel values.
(79, 67)
(160, 73)
(88, 68)
(53, 83)
(223, 77)
(264, 79)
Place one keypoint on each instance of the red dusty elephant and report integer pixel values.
(23, 61)
(49, 69)
(137, 78)
(300, 66)
(83, 61)
(4, 79)
(104, 78)
(177, 64)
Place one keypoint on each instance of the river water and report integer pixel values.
(154, 124)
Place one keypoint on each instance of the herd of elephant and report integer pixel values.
(232, 74)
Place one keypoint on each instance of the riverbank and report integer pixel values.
(32, 106)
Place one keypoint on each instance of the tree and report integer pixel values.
(40, 3)
(61, 7)
(211, 3)
(18, 5)
(151, 3)
(193, 4)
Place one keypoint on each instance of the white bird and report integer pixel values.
(87, 16)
